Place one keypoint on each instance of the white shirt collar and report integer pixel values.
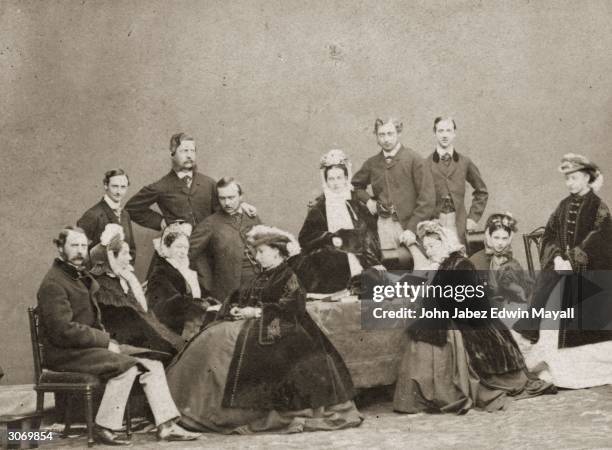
(393, 152)
(450, 150)
(115, 206)
(182, 174)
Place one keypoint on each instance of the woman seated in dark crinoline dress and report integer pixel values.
(173, 289)
(123, 307)
(264, 365)
(453, 365)
(338, 238)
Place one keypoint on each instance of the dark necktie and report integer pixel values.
(446, 158)
(187, 180)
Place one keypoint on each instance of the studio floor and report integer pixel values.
(570, 419)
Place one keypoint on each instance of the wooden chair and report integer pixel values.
(397, 259)
(68, 383)
(529, 239)
(474, 241)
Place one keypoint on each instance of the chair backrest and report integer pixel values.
(474, 241)
(37, 347)
(535, 237)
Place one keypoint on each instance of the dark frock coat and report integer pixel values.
(95, 219)
(170, 297)
(452, 180)
(282, 360)
(128, 323)
(175, 201)
(403, 183)
(324, 268)
(217, 252)
(72, 334)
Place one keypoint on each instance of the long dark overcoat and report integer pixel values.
(217, 252)
(175, 201)
(95, 219)
(71, 329)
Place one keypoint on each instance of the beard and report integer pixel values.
(77, 261)
(185, 166)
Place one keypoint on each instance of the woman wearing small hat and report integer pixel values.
(339, 236)
(577, 239)
(264, 365)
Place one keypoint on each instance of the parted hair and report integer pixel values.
(335, 166)
(399, 126)
(60, 240)
(113, 173)
(501, 221)
(440, 119)
(226, 181)
(172, 236)
(176, 139)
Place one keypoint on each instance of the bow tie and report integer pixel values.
(505, 253)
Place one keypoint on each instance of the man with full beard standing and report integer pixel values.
(183, 194)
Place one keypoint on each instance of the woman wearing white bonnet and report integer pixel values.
(126, 316)
(123, 306)
(338, 237)
(173, 290)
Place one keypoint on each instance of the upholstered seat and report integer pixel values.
(70, 378)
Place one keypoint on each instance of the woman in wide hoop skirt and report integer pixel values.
(264, 365)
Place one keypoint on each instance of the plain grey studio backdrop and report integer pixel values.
(266, 87)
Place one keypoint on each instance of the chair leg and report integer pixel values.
(40, 407)
(128, 420)
(4, 434)
(67, 415)
(89, 417)
(40, 401)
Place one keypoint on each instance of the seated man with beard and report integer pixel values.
(75, 341)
